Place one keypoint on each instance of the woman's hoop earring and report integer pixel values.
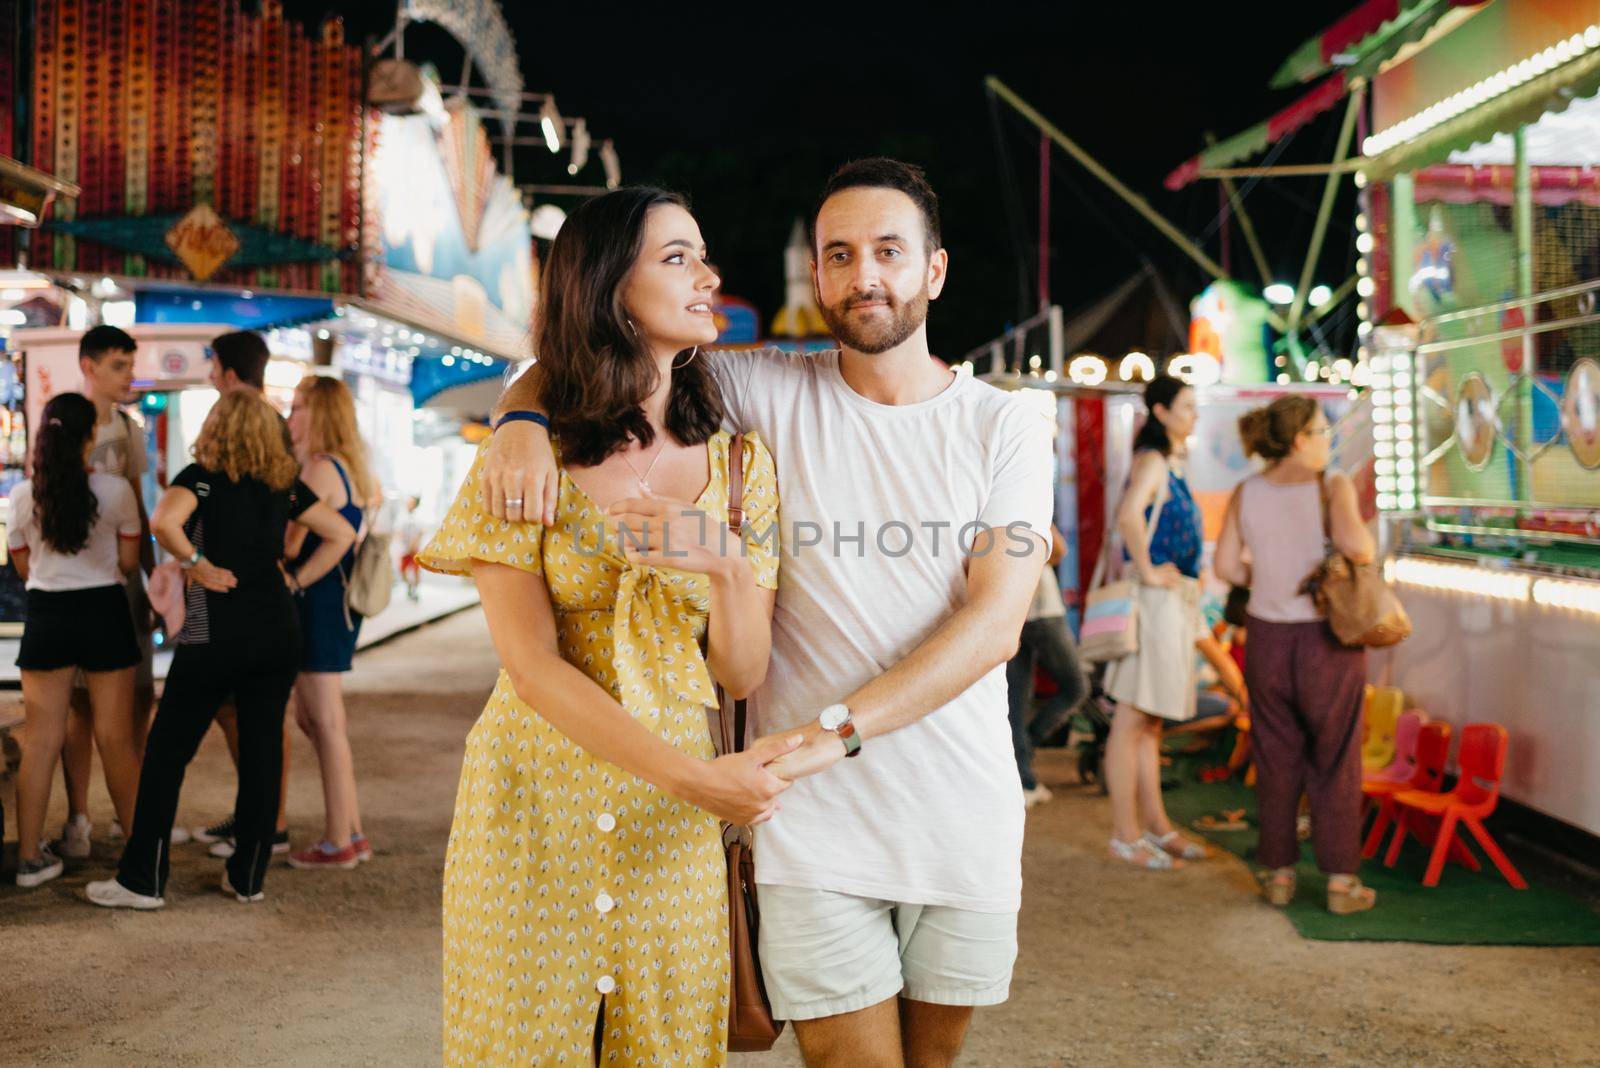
(686, 363)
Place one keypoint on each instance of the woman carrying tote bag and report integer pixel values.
(1305, 685)
(1159, 523)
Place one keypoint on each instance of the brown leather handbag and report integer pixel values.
(751, 1028)
(1360, 607)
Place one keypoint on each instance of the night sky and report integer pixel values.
(747, 109)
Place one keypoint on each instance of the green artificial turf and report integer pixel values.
(1466, 908)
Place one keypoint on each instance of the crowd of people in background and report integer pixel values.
(1295, 700)
(261, 533)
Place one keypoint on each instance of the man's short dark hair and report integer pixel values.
(882, 173)
(97, 341)
(245, 354)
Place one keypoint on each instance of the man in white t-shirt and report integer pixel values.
(105, 356)
(914, 512)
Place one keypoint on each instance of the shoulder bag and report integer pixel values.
(1360, 607)
(1110, 627)
(751, 1028)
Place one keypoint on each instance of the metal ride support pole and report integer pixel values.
(1236, 205)
(1330, 189)
(1129, 197)
(1134, 200)
(1522, 228)
(1044, 222)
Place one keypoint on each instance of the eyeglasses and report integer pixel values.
(1326, 430)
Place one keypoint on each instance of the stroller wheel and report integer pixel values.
(1088, 765)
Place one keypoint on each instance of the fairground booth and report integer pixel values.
(1472, 132)
(215, 167)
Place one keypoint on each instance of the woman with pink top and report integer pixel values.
(1305, 687)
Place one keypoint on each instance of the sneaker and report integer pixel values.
(31, 873)
(325, 855)
(363, 847)
(247, 899)
(110, 894)
(217, 832)
(224, 848)
(1036, 796)
(74, 843)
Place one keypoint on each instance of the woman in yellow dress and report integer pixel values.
(585, 895)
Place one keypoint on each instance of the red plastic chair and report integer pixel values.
(1441, 816)
(1404, 764)
(1430, 751)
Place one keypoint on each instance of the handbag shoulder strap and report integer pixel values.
(732, 727)
(1149, 531)
(1322, 505)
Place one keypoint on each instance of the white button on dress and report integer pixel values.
(604, 902)
(605, 984)
(607, 822)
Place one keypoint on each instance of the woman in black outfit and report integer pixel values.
(223, 518)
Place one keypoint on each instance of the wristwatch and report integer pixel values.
(836, 718)
(191, 561)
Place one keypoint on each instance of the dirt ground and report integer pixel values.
(342, 968)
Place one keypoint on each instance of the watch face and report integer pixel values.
(833, 717)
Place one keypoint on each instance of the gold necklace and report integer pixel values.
(644, 479)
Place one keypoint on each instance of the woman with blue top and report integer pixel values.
(1159, 523)
(333, 458)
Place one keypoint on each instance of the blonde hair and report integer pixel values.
(333, 431)
(1270, 431)
(244, 437)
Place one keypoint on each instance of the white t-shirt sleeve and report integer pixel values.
(1020, 491)
(117, 500)
(21, 515)
(732, 372)
(750, 380)
(137, 463)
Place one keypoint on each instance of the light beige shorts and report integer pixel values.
(825, 953)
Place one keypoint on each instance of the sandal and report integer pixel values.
(1231, 819)
(1142, 854)
(1175, 844)
(1347, 894)
(1278, 886)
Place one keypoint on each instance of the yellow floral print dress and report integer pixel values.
(570, 884)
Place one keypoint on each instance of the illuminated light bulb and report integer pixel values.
(1087, 370)
(1136, 365)
(1364, 243)
(1591, 37)
(1366, 287)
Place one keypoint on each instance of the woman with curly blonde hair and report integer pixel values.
(333, 462)
(223, 518)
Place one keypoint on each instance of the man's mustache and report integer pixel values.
(868, 298)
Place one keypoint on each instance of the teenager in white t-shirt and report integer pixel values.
(74, 535)
(888, 885)
(105, 357)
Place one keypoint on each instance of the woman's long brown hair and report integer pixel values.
(593, 371)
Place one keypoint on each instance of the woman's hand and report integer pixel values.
(520, 466)
(821, 751)
(660, 532)
(739, 787)
(1165, 576)
(214, 578)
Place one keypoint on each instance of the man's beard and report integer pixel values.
(880, 335)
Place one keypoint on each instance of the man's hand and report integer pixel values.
(519, 478)
(821, 751)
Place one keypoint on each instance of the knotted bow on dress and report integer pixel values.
(656, 626)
